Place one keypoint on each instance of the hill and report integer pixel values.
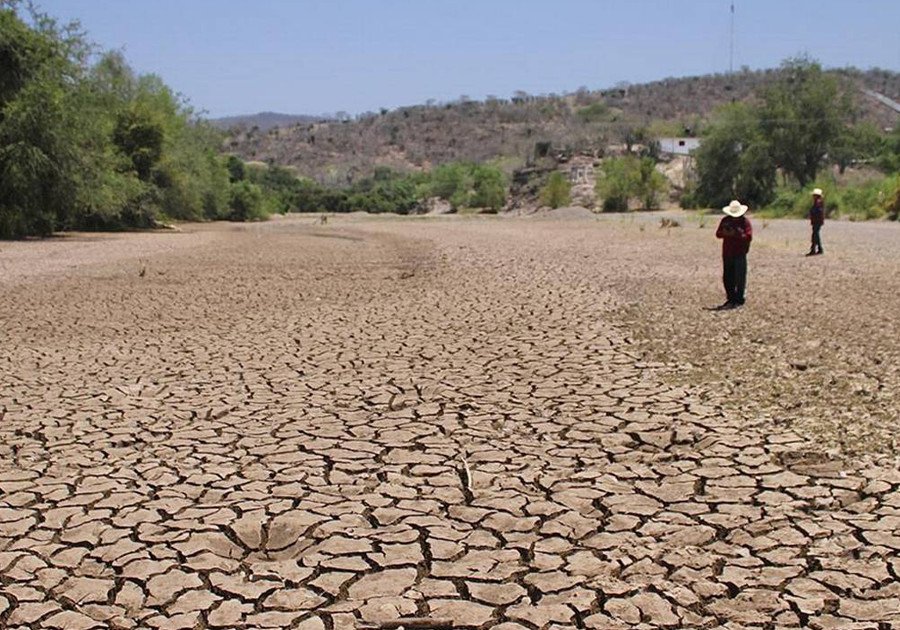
(264, 121)
(418, 137)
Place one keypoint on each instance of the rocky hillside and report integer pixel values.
(411, 138)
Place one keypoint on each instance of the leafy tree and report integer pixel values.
(557, 192)
(650, 183)
(489, 188)
(859, 142)
(236, 169)
(888, 158)
(247, 202)
(467, 185)
(451, 182)
(630, 177)
(37, 152)
(139, 134)
(734, 160)
(86, 146)
(618, 182)
(802, 118)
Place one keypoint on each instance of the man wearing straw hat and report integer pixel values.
(736, 233)
(817, 219)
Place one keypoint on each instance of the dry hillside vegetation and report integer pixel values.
(409, 138)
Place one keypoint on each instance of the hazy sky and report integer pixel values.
(322, 56)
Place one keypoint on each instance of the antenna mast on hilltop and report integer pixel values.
(731, 48)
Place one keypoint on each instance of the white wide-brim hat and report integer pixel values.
(735, 209)
(817, 192)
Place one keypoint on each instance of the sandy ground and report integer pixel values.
(504, 422)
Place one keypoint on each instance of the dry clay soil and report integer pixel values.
(501, 422)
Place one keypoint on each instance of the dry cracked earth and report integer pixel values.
(292, 425)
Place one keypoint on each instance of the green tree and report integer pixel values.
(802, 117)
(557, 192)
(452, 182)
(888, 158)
(734, 160)
(489, 187)
(468, 185)
(247, 202)
(650, 183)
(86, 146)
(630, 177)
(236, 169)
(618, 182)
(38, 153)
(139, 134)
(859, 142)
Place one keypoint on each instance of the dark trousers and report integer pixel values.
(816, 239)
(734, 277)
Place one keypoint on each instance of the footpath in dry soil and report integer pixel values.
(299, 426)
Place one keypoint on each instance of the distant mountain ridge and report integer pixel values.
(265, 120)
(342, 150)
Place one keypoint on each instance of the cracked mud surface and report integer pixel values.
(290, 425)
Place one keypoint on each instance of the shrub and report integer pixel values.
(618, 182)
(247, 202)
(468, 185)
(651, 183)
(862, 202)
(557, 192)
(595, 112)
(627, 178)
(489, 189)
(892, 204)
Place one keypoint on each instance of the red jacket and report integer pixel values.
(736, 234)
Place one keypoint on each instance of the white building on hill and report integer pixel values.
(678, 146)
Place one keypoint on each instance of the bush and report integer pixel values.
(871, 200)
(888, 158)
(468, 185)
(247, 202)
(595, 112)
(864, 202)
(618, 182)
(489, 190)
(892, 205)
(629, 178)
(557, 192)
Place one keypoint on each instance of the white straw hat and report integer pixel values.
(817, 192)
(735, 209)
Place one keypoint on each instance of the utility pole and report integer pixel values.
(731, 49)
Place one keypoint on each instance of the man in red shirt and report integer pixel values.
(736, 233)
(816, 219)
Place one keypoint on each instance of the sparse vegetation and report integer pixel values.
(420, 137)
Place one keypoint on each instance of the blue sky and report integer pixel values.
(323, 56)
